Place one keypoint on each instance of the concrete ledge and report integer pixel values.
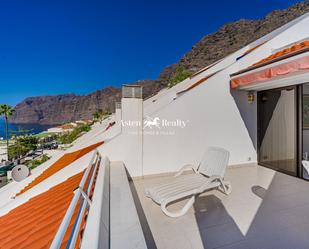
(97, 230)
(125, 228)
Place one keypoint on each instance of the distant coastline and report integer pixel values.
(15, 128)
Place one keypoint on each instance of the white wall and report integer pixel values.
(216, 115)
(213, 119)
(131, 141)
(118, 119)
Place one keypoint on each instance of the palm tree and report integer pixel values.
(6, 111)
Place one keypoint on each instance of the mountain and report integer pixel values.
(59, 109)
(212, 47)
(233, 36)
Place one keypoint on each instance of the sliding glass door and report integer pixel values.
(277, 129)
(305, 131)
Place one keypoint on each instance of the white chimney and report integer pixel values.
(132, 128)
(118, 116)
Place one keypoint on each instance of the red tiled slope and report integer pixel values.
(34, 224)
(288, 51)
(197, 83)
(64, 161)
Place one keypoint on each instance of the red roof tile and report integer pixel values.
(200, 81)
(64, 161)
(288, 51)
(34, 224)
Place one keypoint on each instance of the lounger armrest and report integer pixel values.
(184, 168)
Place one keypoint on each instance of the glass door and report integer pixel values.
(277, 129)
(305, 131)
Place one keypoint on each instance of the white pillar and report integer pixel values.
(132, 128)
(118, 117)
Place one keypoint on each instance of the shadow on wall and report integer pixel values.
(282, 220)
(248, 112)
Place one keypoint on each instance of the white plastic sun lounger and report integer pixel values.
(207, 175)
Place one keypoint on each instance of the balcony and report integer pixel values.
(266, 209)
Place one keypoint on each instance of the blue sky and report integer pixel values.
(51, 47)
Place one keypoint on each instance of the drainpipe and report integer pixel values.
(132, 128)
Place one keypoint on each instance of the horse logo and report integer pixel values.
(149, 122)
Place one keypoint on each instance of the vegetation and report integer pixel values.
(69, 137)
(100, 114)
(6, 111)
(96, 115)
(44, 135)
(179, 75)
(36, 162)
(21, 146)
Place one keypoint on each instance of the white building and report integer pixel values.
(254, 103)
(217, 112)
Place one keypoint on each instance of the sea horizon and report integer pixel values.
(19, 129)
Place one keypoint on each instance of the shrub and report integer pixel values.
(22, 145)
(179, 75)
(36, 162)
(69, 137)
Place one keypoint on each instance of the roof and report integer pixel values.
(66, 126)
(299, 47)
(62, 162)
(250, 50)
(280, 55)
(35, 223)
(200, 81)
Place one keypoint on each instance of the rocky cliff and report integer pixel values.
(59, 109)
(233, 36)
(228, 39)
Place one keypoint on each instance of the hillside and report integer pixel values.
(212, 47)
(59, 109)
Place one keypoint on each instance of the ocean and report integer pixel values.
(25, 128)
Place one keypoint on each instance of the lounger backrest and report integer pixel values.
(214, 162)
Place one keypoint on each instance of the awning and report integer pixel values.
(271, 72)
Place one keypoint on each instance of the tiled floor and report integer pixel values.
(266, 210)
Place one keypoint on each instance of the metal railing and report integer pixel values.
(82, 198)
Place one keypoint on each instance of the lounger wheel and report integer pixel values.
(179, 213)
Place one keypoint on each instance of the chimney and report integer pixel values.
(132, 128)
(118, 116)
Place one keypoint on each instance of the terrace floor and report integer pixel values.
(266, 210)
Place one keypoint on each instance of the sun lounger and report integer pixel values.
(209, 174)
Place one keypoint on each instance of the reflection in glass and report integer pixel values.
(277, 129)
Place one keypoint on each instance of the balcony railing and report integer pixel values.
(82, 202)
